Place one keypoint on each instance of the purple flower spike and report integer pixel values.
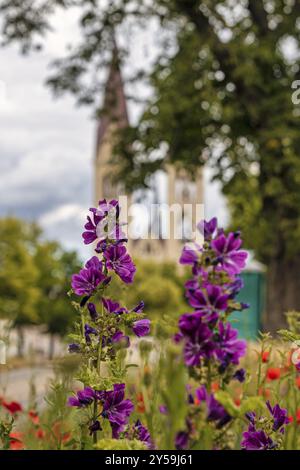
(141, 327)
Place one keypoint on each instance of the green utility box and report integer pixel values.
(248, 322)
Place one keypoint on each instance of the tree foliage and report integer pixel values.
(34, 277)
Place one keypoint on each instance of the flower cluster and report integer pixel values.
(102, 329)
(113, 406)
(211, 293)
(211, 347)
(265, 433)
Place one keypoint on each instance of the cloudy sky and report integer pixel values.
(46, 145)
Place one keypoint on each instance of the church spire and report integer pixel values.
(114, 105)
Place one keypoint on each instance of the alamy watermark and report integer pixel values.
(296, 93)
(163, 221)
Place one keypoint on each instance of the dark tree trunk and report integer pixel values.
(21, 342)
(51, 346)
(283, 292)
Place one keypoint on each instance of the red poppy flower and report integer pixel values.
(215, 387)
(40, 434)
(273, 373)
(265, 356)
(13, 407)
(33, 415)
(16, 441)
(297, 382)
(298, 416)
(140, 403)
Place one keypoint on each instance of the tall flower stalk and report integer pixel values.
(212, 349)
(104, 326)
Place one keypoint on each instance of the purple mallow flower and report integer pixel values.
(216, 412)
(229, 255)
(114, 406)
(103, 222)
(94, 427)
(141, 327)
(89, 278)
(89, 330)
(93, 312)
(89, 236)
(142, 434)
(83, 398)
(181, 440)
(198, 338)
(74, 348)
(119, 337)
(118, 260)
(116, 409)
(209, 300)
(163, 409)
(240, 375)
(189, 255)
(280, 416)
(113, 307)
(208, 228)
(256, 440)
(139, 308)
(229, 349)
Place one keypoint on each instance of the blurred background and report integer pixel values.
(157, 94)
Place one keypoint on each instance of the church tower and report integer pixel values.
(114, 117)
(184, 192)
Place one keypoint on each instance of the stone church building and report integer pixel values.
(182, 190)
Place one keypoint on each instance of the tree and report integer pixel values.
(55, 267)
(222, 95)
(19, 293)
(34, 280)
